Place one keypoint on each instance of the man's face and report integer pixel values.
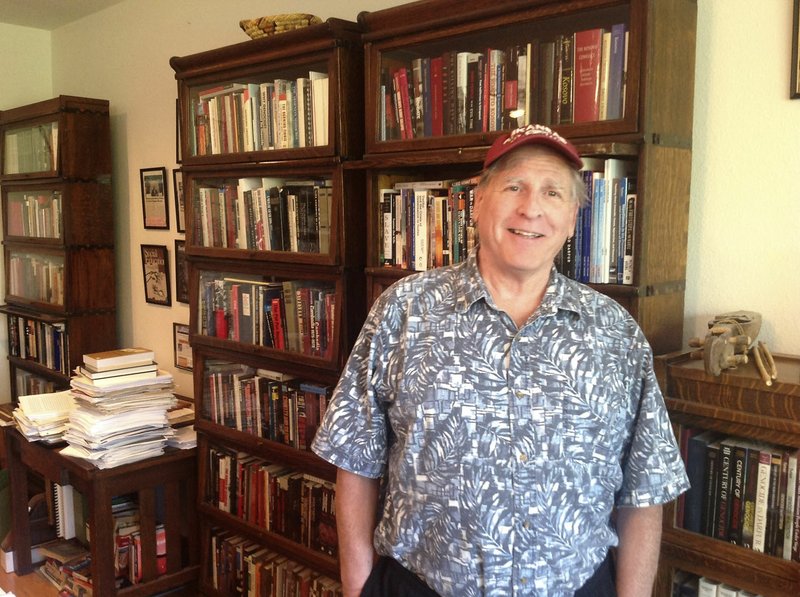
(525, 213)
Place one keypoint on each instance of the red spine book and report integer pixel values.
(588, 50)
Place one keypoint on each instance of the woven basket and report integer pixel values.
(270, 25)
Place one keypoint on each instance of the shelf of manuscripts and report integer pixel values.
(239, 565)
(64, 137)
(293, 214)
(58, 213)
(739, 524)
(271, 98)
(421, 216)
(274, 503)
(454, 77)
(59, 280)
(299, 316)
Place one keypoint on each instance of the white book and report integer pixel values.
(319, 101)
(707, 587)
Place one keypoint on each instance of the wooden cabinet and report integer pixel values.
(736, 404)
(58, 230)
(409, 48)
(276, 274)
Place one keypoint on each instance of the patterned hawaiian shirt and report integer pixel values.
(504, 450)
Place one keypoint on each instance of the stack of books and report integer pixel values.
(43, 417)
(120, 418)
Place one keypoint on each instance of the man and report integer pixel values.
(512, 413)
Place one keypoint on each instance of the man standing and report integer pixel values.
(512, 414)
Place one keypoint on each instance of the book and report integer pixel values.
(588, 44)
(695, 469)
(707, 587)
(89, 374)
(117, 359)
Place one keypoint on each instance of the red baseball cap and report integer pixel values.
(533, 134)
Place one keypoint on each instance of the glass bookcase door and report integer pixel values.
(290, 216)
(30, 148)
(286, 109)
(281, 315)
(34, 213)
(542, 65)
(35, 277)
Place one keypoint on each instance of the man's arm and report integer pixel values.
(639, 531)
(356, 504)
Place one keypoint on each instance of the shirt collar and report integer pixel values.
(470, 287)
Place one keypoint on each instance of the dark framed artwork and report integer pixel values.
(154, 197)
(795, 90)
(181, 272)
(183, 350)
(155, 271)
(177, 189)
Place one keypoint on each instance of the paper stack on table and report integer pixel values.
(119, 419)
(43, 417)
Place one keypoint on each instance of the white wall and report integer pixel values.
(743, 247)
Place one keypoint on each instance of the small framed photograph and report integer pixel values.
(795, 90)
(155, 268)
(154, 197)
(181, 272)
(183, 351)
(177, 188)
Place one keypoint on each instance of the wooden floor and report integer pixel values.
(33, 585)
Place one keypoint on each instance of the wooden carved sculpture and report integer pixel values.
(731, 336)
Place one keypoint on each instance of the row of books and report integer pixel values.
(685, 584)
(296, 505)
(240, 566)
(36, 277)
(265, 214)
(31, 149)
(743, 492)
(426, 224)
(263, 403)
(39, 341)
(67, 566)
(34, 215)
(602, 249)
(30, 383)
(293, 315)
(278, 114)
(573, 77)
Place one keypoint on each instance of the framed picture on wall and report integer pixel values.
(154, 197)
(183, 351)
(181, 272)
(795, 90)
(177, 188)
(155, 270)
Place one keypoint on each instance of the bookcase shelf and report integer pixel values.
(736, 404)
(274, 249)
(651, 129)
(58, 230)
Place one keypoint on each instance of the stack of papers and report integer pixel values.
(114, 424)
(43, 417)
(184, 438)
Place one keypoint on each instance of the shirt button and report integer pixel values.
(526, 524)
(520, 394)
(523, 458)
(523, 580)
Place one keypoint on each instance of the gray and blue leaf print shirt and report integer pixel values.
(504, 450)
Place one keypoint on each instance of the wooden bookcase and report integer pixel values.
(244, 173)
(58, 230)
(739, 404)
(653, 130)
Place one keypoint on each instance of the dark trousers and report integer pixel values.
(389, 579)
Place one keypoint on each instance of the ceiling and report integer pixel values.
(49, 14)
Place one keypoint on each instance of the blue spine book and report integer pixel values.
(616, 74)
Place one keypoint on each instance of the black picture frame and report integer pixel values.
(155, 274)
(794, 92)
(181, 272)
(154, 198)
(182, 350)
(180, 209)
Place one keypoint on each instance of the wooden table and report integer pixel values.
(173, 474)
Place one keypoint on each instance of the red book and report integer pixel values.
(586, 99)
(437, 97)
(280, 340)
(406, 120)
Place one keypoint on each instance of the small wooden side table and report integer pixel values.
(175, 473)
